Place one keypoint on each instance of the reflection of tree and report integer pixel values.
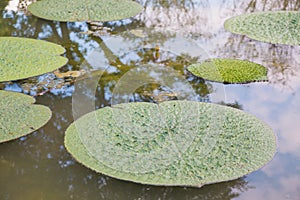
(170, 3)
(284, 65)
(61, 33)
(119, 63)
(233, 105)
(3, 4)
(281, 60)
(164, 62)
(266, 5)
(44, 166)
(184, 16)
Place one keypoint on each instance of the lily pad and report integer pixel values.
(18, 117)
(229, 71)
(280, 27)
(88, 10)
(181, 143)
(22, 58)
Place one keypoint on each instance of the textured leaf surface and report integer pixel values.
(22, 58)
(173, 143)
(280, 27)
(85, 10)
(229, 71)
(18, 117)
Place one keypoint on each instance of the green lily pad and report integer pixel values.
(22, 58)
(181, 143)
(18, 117)
(229, 71)
(88, 10)
(280, 27)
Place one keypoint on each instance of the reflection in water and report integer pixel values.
(268, 5)
(282, 61)
(204, 21)
(279, 179)
(168, 35)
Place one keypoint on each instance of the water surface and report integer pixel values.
(38, 167)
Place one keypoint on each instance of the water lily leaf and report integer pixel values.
(18, 115)
(229, 71)
(280, 27)
(22, 58)
(88, 10)
(182, 143)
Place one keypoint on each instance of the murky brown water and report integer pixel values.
(38, 166)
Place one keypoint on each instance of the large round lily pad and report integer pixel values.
(88, 10)
(280, 27)
(229, 71)
(22, 58)
(182, 143)
(18, 115)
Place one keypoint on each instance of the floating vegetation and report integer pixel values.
(280, 27)
(229, 71)
(89, 10)
(22, 58)
(182, 143)
(18, 115)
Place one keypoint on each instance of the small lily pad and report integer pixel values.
(88, 10)
(229, 71)
(18, 115)
(182, 143)
(23, 58)
(280, 27)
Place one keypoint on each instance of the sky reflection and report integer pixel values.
(38, 167)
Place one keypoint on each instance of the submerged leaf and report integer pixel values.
(23, 58)
(88, 10)
(181, 143)
(280, 27)
(229, 71)
(18, 117)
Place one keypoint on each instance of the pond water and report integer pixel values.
(165, 38)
